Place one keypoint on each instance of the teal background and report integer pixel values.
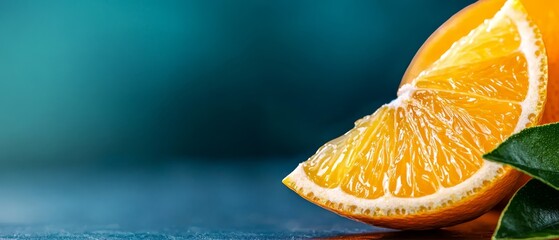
(178, 119)
(141, 81)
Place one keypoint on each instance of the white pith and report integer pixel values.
(387, 204)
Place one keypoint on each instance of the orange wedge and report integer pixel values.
(545, 13)
(416, 162)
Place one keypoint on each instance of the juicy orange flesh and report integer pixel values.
(453, 130)
(544, 13)
(492, 66)
(481, 79)
(502, 34)
(463, 105)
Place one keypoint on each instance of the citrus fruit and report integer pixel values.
(544, 13)
(416, 162)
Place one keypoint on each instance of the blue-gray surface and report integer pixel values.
(172, 200)
(165, 201)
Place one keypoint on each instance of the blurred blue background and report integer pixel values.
(138, 112)
(91, 80)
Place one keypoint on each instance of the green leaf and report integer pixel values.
(533, 213)
(534, 151)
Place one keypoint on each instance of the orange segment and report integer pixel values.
(487, 35)
(470, 125)
(416, 162)
(509, 83)
(545, 14)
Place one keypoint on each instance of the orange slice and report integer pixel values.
(416, 162)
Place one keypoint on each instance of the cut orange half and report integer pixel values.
(416, 162)
(544, 13)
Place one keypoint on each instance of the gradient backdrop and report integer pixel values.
(149, 114)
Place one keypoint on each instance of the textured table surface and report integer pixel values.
(179, 201)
